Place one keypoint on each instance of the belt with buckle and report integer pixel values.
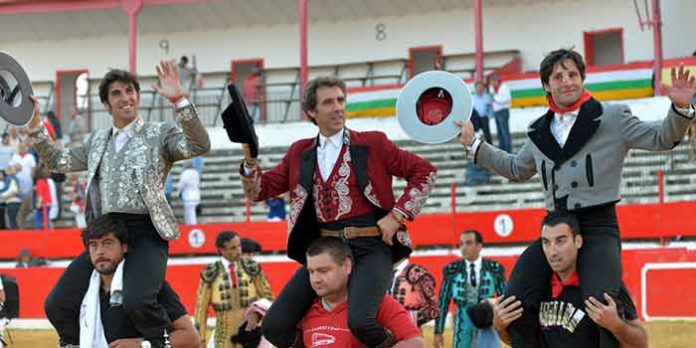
(352, 232)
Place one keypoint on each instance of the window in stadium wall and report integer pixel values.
(423, 58)
(604, 47)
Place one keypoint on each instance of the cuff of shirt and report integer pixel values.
(184, 102)
(248, 170)
(687, 112)
(471, 149)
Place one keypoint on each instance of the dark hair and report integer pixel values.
(102, 226)
(333, 246)
(558, 57)
(309, 98)
(558, 217)
(477, 235)
(116, 75)
(250, 246)
(184, 59)
(224, 237)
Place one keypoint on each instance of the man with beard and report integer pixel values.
(101, 322)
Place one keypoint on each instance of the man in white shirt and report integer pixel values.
(25, 163)
(502, 100)
(190, 193)
(578, 148)
(340, 185)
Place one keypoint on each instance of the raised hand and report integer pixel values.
(168, 84)
(466, 137)
(682, 89)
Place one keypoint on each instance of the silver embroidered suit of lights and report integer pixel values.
(133, 180)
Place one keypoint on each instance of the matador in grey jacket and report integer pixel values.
(126, 166)
(578, 148)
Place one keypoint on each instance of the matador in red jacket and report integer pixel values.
(340, 185)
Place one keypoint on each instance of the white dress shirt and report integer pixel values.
(502, 99)
(328, 151)
(561, 124)
(477, 268)
(121, 135)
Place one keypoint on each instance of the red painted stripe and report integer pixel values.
(648, 221)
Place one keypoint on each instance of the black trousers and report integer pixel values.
(143, 275)
(366, 289)
(599, 269)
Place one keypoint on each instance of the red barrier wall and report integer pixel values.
(667, 292)
(521, 226)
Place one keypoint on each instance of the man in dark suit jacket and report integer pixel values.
(340, 185)
(578, 148)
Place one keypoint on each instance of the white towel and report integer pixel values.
(117, 285)
(91, 328)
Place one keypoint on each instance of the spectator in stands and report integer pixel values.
(26, 260)
(55, 123)
(578, 147)
(43, 200)
(78, 199)
(10, 196)
(190, 192)
(413, 286)
(483, 110)
(351, 193)
(24, 164)
(276, 208)
(252, 86)
(77, 129)
(106, 241)
(468, 281)
(6, 151)
(187, 74)
(565, 319)
(6, 185)
(500, 103)
(15, 140)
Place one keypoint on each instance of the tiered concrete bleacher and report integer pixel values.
(223, 198)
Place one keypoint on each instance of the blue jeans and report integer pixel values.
(502, 118)
(12, 210)
(38, 218)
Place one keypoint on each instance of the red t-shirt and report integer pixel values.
(43, 191)
(330, 329)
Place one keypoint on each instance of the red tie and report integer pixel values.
(233, 275)
(557, 284)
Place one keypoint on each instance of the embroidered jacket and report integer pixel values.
(216, 290)
(374, 160)
(414, 288)
(152, 150)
